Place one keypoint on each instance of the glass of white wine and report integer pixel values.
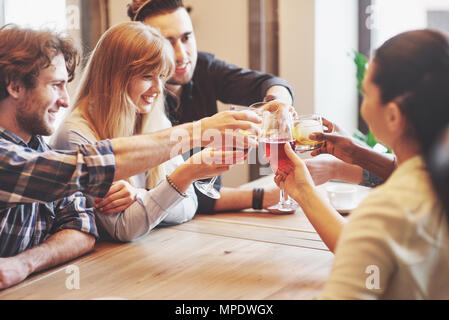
(304, 126)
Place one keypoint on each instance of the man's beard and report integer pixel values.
(33, 122)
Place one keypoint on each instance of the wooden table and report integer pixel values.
(245, 255)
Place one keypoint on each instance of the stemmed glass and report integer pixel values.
(276, 132)
(207, 188)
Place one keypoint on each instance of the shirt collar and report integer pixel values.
(34, 143)
(412, 163)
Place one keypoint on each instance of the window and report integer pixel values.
(380, 20)
(58, 15)
(2, 13)
(38, 14)
(392, 17)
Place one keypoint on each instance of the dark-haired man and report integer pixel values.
(200, 80)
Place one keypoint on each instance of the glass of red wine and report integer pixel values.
(277, 130)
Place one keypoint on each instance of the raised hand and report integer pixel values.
(225, 129)
(340, 146)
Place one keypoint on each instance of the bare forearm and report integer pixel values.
(234, 199)
(140, 153)
(182, 178)
(59, 248)
(349, 173)
(378, 163)
(325, 219)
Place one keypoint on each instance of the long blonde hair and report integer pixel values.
(124, 52)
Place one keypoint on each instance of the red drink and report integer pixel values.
(275, 153)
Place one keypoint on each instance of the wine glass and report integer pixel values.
(304, 126)
(276, 132)
(256, 108)
(207, 188)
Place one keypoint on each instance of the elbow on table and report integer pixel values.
(126, 235)
(90, 244)
(179, 218)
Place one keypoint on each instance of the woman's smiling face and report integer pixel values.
(143, 91)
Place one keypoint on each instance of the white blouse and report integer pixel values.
(161, 205)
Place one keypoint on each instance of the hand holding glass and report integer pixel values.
(276, 132)
(207, 188)
(304, 127)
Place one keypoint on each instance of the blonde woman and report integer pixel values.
(121, 94)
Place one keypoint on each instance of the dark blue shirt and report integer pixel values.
(214, 80)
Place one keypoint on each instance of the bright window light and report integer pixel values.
(390, 17)
(42, 14)
(36, 14)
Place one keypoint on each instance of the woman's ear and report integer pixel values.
(394, 117)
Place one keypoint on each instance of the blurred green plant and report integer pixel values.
(361, 61)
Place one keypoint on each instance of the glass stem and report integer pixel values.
(211, 183)
(282, 196)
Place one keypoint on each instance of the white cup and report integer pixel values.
(342, 196)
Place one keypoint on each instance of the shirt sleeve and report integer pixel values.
(371, 180)
(162, 205)
(240, 85)
(28, 176)
(72, 213)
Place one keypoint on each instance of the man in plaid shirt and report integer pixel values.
(37, 232)
(43, 216)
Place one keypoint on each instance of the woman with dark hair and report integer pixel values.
(438, 164)
(395, 244)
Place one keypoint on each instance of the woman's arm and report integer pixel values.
(299, 185)
(148, 211)
(167, 203)
(339, 144)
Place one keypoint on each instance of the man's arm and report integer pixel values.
(243, 86)
(239, 199)
(137, 154)
(63, 246)
(29, 176)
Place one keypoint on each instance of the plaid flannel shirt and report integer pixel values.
(39, 190)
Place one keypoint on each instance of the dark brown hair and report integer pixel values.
(412, 69)
(25, 52)
(438, 165)
(139, 10)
